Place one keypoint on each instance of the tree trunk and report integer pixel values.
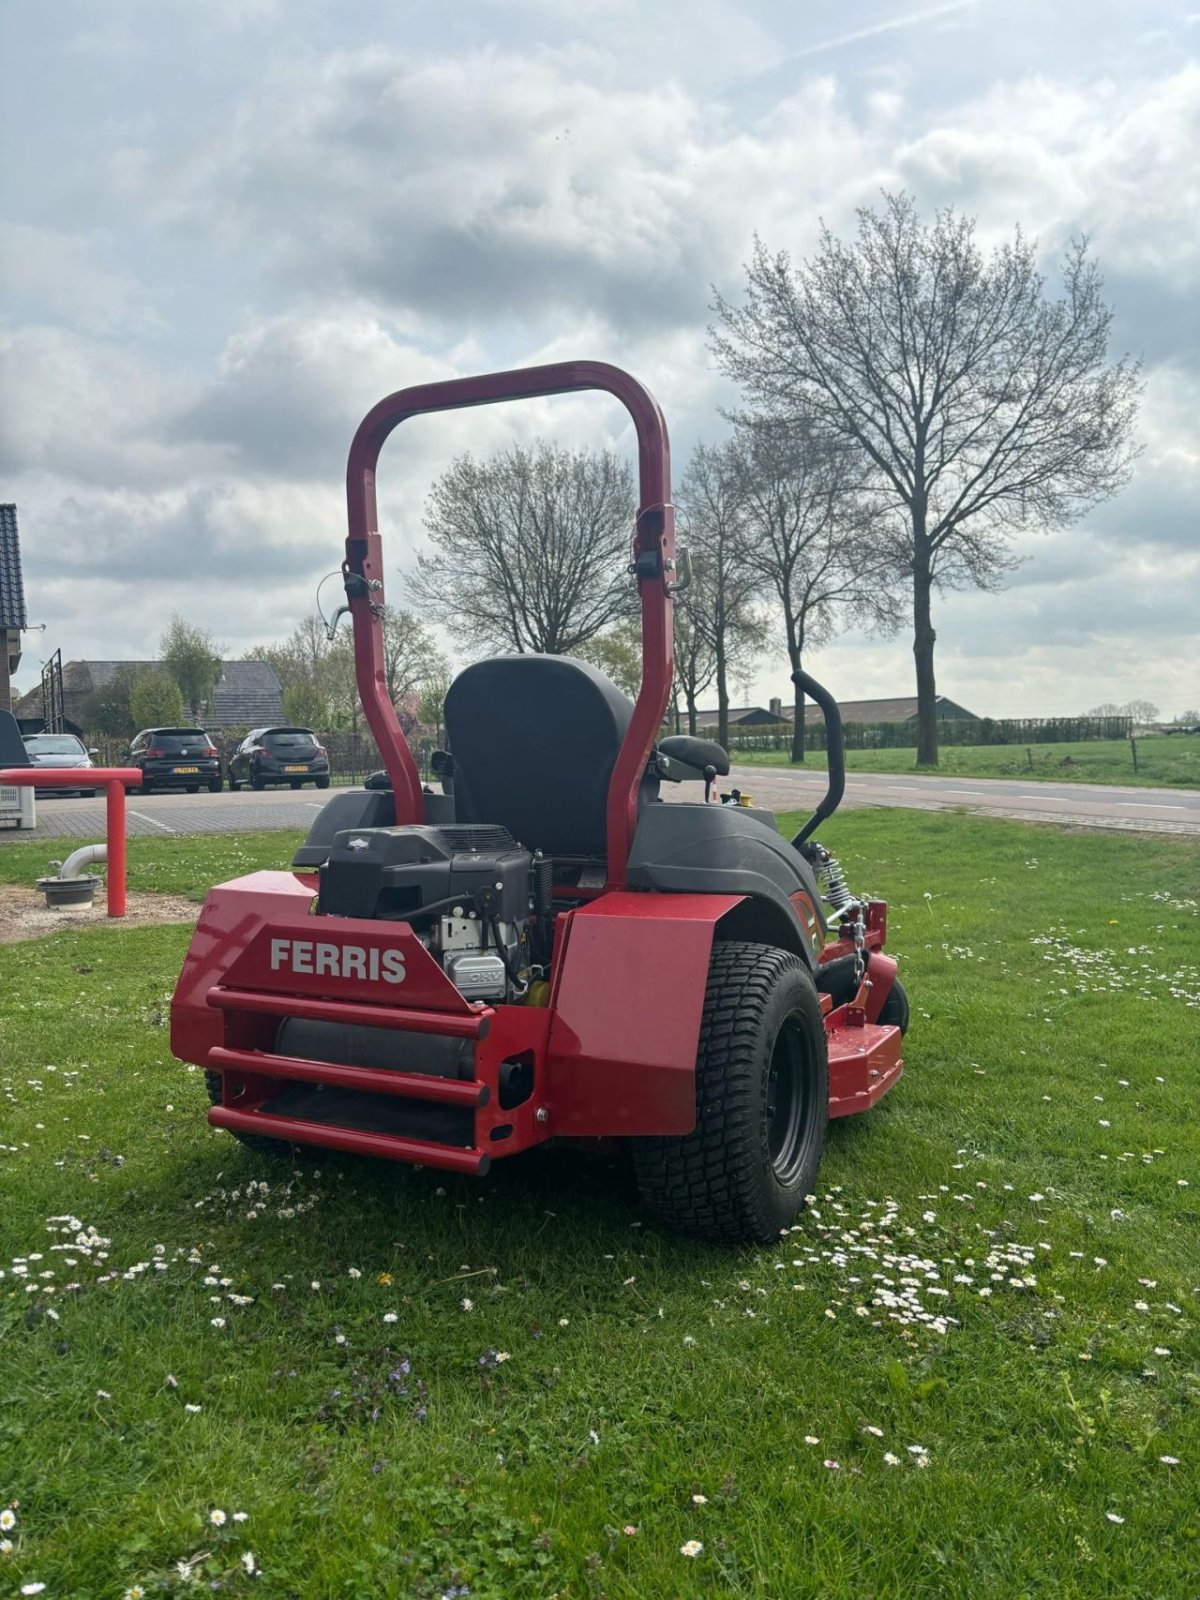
(923, 642)
(798, 729)
(722, 702)
(691, 710)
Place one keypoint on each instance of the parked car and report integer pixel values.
(176, 758)
(59, 750)
(1182, 727)
(279, 755)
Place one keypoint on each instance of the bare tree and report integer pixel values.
(317, 674)
(726, 584)
(530, 549)
(809, 535)
(978, 406)
(695, 661)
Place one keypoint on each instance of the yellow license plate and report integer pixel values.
(185, 769)
(295, 769)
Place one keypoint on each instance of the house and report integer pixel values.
(248, 695)
(12, 602)
(739, 717)
(901, 709)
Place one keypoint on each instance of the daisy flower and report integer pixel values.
(7, 1519)
(693, 1547)
(217, 1518)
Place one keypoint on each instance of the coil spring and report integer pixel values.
(833, 884)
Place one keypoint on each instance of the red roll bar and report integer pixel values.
(653, 565)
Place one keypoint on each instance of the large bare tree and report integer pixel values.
(726, 585)
(809, 534)
(530, 549)
(977, 404)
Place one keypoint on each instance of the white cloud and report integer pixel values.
(356, 218)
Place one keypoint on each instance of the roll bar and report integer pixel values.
(652, 564)
(835, 751)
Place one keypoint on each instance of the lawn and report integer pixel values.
(1163, 761)
(972, 1369)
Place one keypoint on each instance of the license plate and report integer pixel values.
(185, 769)
(295, 769)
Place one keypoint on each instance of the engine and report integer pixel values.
(478, 902)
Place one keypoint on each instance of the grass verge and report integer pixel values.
(967, 1372)
(1163, 762)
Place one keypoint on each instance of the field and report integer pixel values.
(972, 1369)
(1163, 761)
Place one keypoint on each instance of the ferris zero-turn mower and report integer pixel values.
(545, 950)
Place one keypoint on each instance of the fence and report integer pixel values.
(353, 756)
(903, 735)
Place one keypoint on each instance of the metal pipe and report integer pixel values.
(87, 855)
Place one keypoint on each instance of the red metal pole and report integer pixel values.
(115, 824)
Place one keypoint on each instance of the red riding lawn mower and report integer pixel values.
(546, 950)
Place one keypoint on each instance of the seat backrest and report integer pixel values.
(534, 739)
(12, 748)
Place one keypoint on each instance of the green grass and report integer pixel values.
(1044, 968)
(1163, 761)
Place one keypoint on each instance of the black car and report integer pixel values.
(176, 758)
(279, 755)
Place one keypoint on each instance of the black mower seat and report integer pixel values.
(534, 739)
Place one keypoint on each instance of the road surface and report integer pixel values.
(1086, 805)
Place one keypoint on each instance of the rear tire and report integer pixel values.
(234, 785)
(260, 1145)
(762, 1104)
(895, 1012)
(258, 784)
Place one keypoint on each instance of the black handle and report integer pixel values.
(835, 752)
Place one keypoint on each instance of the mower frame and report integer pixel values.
(613, 1050)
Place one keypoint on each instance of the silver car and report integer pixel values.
(59, 750)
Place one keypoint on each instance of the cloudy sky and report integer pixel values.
(232, 225)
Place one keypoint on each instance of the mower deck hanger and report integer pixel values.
(545, 950)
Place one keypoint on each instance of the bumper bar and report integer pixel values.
(414, 1085)
(420, 1152)
(453, 1025)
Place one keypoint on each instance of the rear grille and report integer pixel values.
(467, 836)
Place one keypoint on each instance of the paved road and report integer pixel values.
(1090, 805)
(1081, 804)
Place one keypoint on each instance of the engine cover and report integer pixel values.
(395, 873)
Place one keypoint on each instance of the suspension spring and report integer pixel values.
(833, 884)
